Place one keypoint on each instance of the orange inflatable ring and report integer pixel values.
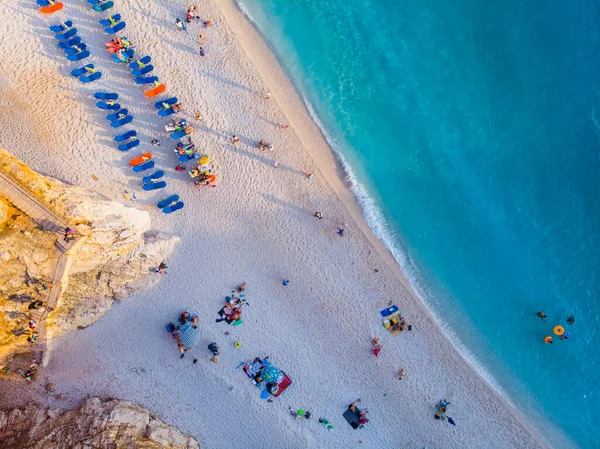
(559, 330)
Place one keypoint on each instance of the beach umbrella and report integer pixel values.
(189, 336)
(269, 373)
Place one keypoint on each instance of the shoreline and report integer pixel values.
(331, 166)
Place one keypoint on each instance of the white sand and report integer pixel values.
(257, 226)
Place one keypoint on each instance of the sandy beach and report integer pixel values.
(256, 226)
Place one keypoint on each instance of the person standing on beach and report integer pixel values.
(266, 94)
(308, 175)
(318, 215)
(202, 52)
(180, 25)
(202, 38)
(234, 140)
(340, 231)
(161, 268)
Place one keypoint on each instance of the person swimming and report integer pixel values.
(571, 319)
(542, 315)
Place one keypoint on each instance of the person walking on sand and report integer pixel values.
(340, 231)
(202, 38)
(234, 140)
(542, 315)
(202, 52)
(180, 25)
(266, 94)
(318, 215)
(401, 374)
(308, 175)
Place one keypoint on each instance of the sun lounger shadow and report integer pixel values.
(229, 82)
(263, 159)
(286, 204)
(178, 45)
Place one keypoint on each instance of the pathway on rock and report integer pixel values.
(50, 222)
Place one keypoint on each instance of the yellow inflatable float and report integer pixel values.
(559, 330)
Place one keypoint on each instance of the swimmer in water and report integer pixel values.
(565, 336)
(542, 315)
(571, 319)
(548, 340)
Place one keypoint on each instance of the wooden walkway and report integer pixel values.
(49, 222)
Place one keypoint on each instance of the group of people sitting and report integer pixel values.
(178, 125)
(203, 174)
(232, 312)
(362, 414)
(185, 321)
(118, 46)
(188, 148)
(399, 324)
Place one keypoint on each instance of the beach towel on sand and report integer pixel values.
(352, 417)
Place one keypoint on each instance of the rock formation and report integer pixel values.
(114, 259)
(109, 424)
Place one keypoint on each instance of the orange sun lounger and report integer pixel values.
(156, 91)
(53, 7)
(140, 159)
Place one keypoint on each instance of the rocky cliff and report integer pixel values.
(106, 424)
(114, 259)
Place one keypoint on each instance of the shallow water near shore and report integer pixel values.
(474, 128)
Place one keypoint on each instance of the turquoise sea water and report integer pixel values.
(474, 127)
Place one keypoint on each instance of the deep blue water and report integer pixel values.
(475, 128)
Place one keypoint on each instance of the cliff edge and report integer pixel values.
(108, 424)
(115, 258)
